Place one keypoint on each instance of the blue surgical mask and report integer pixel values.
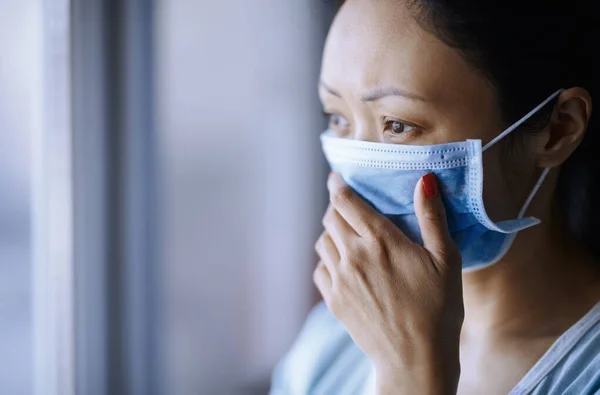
(386, 175)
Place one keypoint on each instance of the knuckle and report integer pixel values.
(378, 229)
(342, 254)
(316, 275)
(370, 230)
(355, 259)
(342, 196)
(335, 301)
(373, 241)
(374, 248)
(319, 243)
(353, 262)
(435, 216)
(372, 252)
(327, 218)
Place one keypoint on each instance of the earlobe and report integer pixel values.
(567, 127)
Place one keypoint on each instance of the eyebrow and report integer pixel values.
(378, 93)
(329, 89)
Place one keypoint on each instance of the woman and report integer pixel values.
(426, 288)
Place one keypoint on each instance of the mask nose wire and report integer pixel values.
(520, 121)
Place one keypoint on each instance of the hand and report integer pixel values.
(400, 302)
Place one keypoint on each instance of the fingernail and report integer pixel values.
(430, 185)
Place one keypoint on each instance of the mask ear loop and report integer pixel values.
(510, 130)
(520, 121)
(535, 190)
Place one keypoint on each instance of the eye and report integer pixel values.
(395, 127)
(338, 123)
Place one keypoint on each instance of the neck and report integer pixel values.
(541, 287)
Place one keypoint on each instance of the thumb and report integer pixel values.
(432, 218)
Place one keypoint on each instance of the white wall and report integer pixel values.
(242, 184)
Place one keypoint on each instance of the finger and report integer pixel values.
(340, 231)
(431, 215)
(327, 251)
(352, 208)
(322, 280)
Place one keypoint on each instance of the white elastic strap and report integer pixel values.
(533, 192)
(520, 121)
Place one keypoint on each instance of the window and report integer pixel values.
(18, 93)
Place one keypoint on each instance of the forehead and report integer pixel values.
(373, 43)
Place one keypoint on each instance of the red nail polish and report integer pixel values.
(430, 185)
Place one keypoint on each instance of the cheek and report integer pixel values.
(498, 179)
(508, 172)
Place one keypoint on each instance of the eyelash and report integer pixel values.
(387, 123)
(329, 117)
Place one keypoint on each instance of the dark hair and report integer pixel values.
(528, 49)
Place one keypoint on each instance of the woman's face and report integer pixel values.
(386, 79)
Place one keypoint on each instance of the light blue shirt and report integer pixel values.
(324, 360)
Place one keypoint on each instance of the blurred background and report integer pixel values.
(17, 66)
(161, 189)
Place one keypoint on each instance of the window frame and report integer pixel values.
(95, 265)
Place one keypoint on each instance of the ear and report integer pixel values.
(566, 129)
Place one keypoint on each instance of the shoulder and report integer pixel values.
(574, 361)
(320, 344)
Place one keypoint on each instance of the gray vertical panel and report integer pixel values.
(115, 266)
(90, 121)
(141, 291)
(114, 194)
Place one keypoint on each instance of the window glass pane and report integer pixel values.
(18, 52)
(243, 185)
